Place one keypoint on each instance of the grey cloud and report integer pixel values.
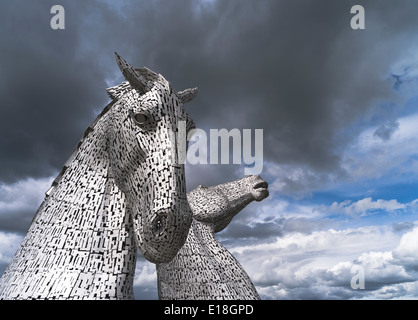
(403, 226)
(302, 87)
(145, 292)
(259, 231)
(386, 130)
(292, 68)
(18, 222)
(211, 175)
(244, 232)
(150, 293)
(19, 202)
(49, 89)
(321, 269)
(381, 281)
(3, 266)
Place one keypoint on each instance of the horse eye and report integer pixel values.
(141, 118)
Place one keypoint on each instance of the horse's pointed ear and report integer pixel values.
(116, 92)
(136, 80)
(187, 95)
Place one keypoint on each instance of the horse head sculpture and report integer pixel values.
(143, 151)
(120, 190)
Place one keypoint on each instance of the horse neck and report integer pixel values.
(82, 231)
(204, 269)
(86, 178)
(93, 202)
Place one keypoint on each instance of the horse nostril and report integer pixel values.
(158, 226)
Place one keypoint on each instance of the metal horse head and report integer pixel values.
(145, 113)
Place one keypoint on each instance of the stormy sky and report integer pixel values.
(337, 106)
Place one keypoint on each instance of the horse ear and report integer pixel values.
(136, 80)
(148, 74)
(116, 92)
(187, 95)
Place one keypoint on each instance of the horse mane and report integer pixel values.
(67, 163)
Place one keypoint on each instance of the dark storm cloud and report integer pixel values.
(260, 231)
(240, 232)
(18, 222)
(293, 68)
(48, 88)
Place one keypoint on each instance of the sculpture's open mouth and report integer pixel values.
(261, 185)
(260, 190)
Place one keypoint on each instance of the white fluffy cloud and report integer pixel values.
(19, 202)
(320, 265)
(145, 280)
(22, 195)
(145, 274)
(407, 251)
(367, 206)
(9, 243)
